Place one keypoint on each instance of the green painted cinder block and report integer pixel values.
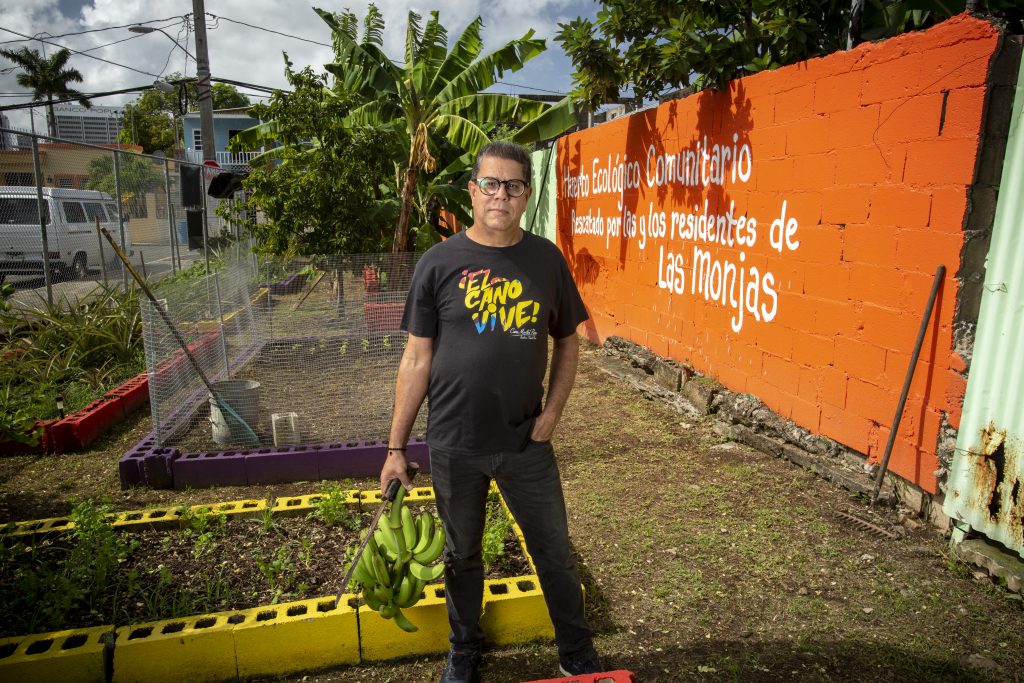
(191, 649)
(381, 638)
(296, 636)
(74, 656)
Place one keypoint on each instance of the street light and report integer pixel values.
(151, 29)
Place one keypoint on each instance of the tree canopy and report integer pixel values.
(431, 104)
(47, 77)
(652, 46)
(322, 191)
(149, 121)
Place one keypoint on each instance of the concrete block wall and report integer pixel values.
(782, 236)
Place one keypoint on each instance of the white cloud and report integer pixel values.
(255, 56)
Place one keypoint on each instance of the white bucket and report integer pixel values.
(243, 397)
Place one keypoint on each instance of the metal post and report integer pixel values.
(170, 215)
(120, 213)
(47, 275)
(206, 225)
(151, 362)
(103, 258)
(270, 299)
(220, 316)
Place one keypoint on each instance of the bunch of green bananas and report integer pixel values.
(393, 567)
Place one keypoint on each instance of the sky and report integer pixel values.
(255, 55)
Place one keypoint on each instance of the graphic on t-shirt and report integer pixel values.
(497, 303)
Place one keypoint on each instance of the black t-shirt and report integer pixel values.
(489, 311)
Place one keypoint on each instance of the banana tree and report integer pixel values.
(435, 99)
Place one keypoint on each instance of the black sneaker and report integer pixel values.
(461, 667)
(585, 661)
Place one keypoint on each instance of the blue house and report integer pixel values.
(226, 124)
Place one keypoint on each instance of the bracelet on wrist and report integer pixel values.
(395, 448)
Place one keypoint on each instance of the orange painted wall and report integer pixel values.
(856, 197)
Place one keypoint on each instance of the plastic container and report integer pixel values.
(243, 397)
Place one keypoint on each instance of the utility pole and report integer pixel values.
(204, 92)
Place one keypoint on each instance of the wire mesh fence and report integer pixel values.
(304, 351)
(56, 196)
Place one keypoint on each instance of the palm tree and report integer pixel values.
(432, 104)
(47, 77)
(434, 99)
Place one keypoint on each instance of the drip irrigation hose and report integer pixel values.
(940, 273)
(221, 403)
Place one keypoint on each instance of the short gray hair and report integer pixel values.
(505, 150)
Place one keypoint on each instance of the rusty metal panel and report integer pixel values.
(986, 482)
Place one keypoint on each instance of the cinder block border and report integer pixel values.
(268, 640)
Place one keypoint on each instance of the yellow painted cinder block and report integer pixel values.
(191, 649)
(296, 636)
(381, 638)
(515, 611)
(74, 656)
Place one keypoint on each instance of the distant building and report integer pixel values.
(95, 126)
(226, 124)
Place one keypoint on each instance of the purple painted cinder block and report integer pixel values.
(129, 469)
(200, 470)
(364, 458)
(276, 466)
(157, 467)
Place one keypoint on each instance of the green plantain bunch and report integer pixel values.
(392, 570)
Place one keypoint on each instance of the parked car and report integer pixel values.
(70, 217)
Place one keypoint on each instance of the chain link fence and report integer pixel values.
(56, 196)
(303, 351)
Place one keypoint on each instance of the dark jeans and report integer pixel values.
(532, 488)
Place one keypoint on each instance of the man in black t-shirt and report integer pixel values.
(480, 309)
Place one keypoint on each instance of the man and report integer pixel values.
(480, 309)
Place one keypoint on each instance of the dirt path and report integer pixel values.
(703, 560)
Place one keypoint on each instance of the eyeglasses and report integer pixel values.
(490, 186)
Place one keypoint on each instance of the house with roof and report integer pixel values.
(226, 124)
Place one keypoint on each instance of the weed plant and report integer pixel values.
(40, 592)
(331, 508)
(497, 526)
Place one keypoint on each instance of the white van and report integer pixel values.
(70, 217)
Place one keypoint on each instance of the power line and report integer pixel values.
(261, 28)
(529, 87)
(78, 52)
(38, 36)
(89, 96)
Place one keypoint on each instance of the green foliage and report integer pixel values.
(39, 594)
(76, 349)
(331, 508)
(280, 572)
(150, 120)
(47, 77)
(325, 196)
(206, 525)
(652, 46)
(496, 528)
(138, 175)
(430, 111)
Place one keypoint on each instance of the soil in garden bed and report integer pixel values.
(215, 564)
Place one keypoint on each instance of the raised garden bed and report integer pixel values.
(188, 556)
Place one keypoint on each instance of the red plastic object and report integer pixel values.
(621, 676)
(383, 317)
